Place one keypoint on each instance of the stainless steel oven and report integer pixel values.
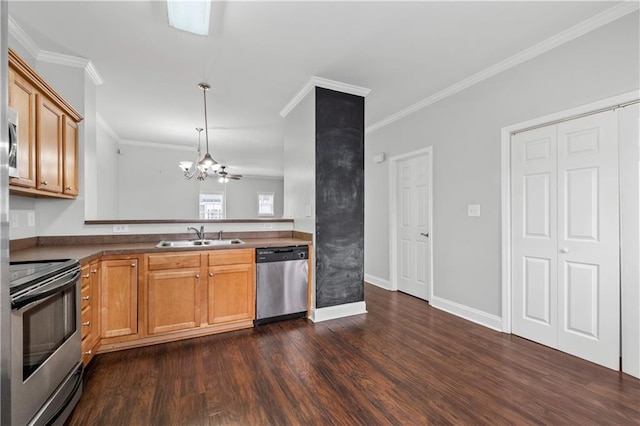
(46, 367)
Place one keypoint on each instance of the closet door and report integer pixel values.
(534, 231)
(588, 239)
(565, 237)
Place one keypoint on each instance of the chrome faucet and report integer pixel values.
(199, 233)
(220, 234)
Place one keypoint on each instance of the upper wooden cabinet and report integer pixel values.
(69, 157)
(49, 145)
(22, 98)
(48, 135)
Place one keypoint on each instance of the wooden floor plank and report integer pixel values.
(403, 362)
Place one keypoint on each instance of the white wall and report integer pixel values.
(464, 131)
(105, 171)
(300, 165)
(150, 185)
(161, 192)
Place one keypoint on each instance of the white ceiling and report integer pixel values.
(260, 54)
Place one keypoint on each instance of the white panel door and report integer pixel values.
(588, 239)
(565, 231)
(414, 268)
(534, 222)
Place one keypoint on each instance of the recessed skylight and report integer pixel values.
(191, 16)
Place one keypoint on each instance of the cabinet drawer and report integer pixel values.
(86, 322)
(231, 257)
(85, 296)
(173, 261)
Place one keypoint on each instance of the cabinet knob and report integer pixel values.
(197, 275)
(88, 352)
(85, 297)
(210, 274)
(94, 271)
(68, 188)
(86, 276)
(86, 323)
(44, 182)
(425, 234)
(133, 265)
(564, 250)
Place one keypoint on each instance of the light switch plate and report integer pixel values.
(473, 210)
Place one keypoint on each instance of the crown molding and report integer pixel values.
(157, 145)
(580, 29)
(23, 38)
(52, 57)
(71, 61)
(106, 127)
(325, 84)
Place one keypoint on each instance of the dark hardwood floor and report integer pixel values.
(403, 363)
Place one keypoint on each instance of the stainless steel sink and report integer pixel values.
(198, 243)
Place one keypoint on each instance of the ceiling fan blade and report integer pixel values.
(236, 177)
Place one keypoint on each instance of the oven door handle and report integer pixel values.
(45, 291)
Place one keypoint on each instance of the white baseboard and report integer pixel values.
(492, 321)
(338, 311)
(382, 283)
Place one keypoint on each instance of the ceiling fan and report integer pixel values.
(224, 176)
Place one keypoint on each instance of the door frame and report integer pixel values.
(506, 133)
(393, 216)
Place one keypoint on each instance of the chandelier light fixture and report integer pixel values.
(204, 167)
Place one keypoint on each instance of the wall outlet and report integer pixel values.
(120, 228)
(268, 225)
(473, 210)
(15, 221)
(31, 219)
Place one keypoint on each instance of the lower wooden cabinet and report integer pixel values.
(161, 297)
(231, 293)
(90, 317)
(173, 300)
(119, 297)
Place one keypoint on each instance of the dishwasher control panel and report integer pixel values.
(281, 254)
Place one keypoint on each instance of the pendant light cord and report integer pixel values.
(206, 124)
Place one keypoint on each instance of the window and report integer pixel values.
(265, 203)
(212, 205)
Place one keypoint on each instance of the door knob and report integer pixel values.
(564, 250)
(425, 234)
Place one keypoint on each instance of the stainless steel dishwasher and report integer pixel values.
(281, 283)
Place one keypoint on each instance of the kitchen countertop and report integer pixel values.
(86, 253)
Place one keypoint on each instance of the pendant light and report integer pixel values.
(204, 167)
(207, 161)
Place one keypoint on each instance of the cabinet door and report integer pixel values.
(119, 298)
(70, 156)
(49, 141)
(173, 301)
(22, 98)
(231, 293)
